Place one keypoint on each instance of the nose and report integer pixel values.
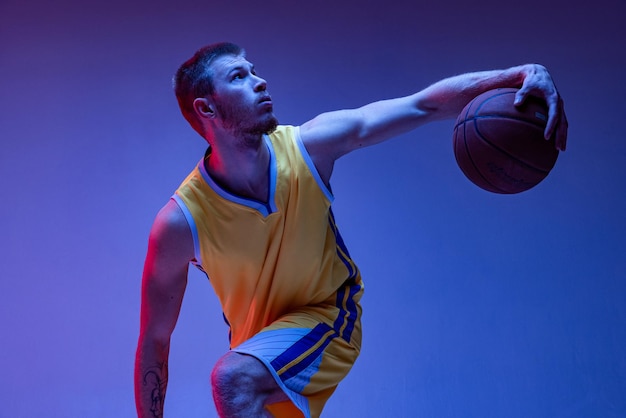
(259, 84)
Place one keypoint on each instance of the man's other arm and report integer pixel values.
(170, 248)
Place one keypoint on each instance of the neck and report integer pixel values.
(240, 166)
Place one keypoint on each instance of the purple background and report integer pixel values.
(477, 305)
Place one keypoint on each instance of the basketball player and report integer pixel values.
(255, 216)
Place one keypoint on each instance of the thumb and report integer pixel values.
(520, 97)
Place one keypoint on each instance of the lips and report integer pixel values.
(265, 99)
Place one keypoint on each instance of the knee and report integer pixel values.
(242, 385)
(235, 372)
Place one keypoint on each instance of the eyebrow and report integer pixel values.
(240, 67)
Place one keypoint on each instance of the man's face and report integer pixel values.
(241, 101)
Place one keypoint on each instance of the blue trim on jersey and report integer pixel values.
(193, 227)
(263, 208)
(349, 311)
(350, 308)
(273, 173)
(342, 250)
(320, 335)
(304, 344)
(301, 380)
(309, 162)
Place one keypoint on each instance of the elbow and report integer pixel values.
(152, 335)
(434, 109)
(439, 102)
(151, 349)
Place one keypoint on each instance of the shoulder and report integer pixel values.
(171, 219)
(329, 136)
(170, 233)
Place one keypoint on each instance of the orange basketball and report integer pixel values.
(501, 147)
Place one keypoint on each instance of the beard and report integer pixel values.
(238, 120)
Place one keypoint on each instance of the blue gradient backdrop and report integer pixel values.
(477, 305)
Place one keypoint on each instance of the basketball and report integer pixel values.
(501, 147)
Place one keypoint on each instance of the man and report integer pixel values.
(255, 216)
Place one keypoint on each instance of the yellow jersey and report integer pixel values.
(267, 259)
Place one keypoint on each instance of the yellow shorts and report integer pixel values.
(309, 351)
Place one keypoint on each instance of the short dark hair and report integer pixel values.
(194, 78)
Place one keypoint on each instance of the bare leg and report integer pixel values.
(242, 386)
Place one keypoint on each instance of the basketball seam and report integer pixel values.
(469, 154)
(508, 117)
(481, 136)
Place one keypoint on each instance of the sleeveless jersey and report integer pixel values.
(267, 259)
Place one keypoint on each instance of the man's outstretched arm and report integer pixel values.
(333, 134)
(170, 248)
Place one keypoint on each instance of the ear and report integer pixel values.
(203, 107)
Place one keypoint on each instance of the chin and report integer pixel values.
(269, 126)
(262, 128)
(272, 127)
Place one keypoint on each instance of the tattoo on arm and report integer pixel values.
(155, 380)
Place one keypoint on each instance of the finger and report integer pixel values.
(551, 124)
(554, 115)
(561, 132)
(520, 96)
